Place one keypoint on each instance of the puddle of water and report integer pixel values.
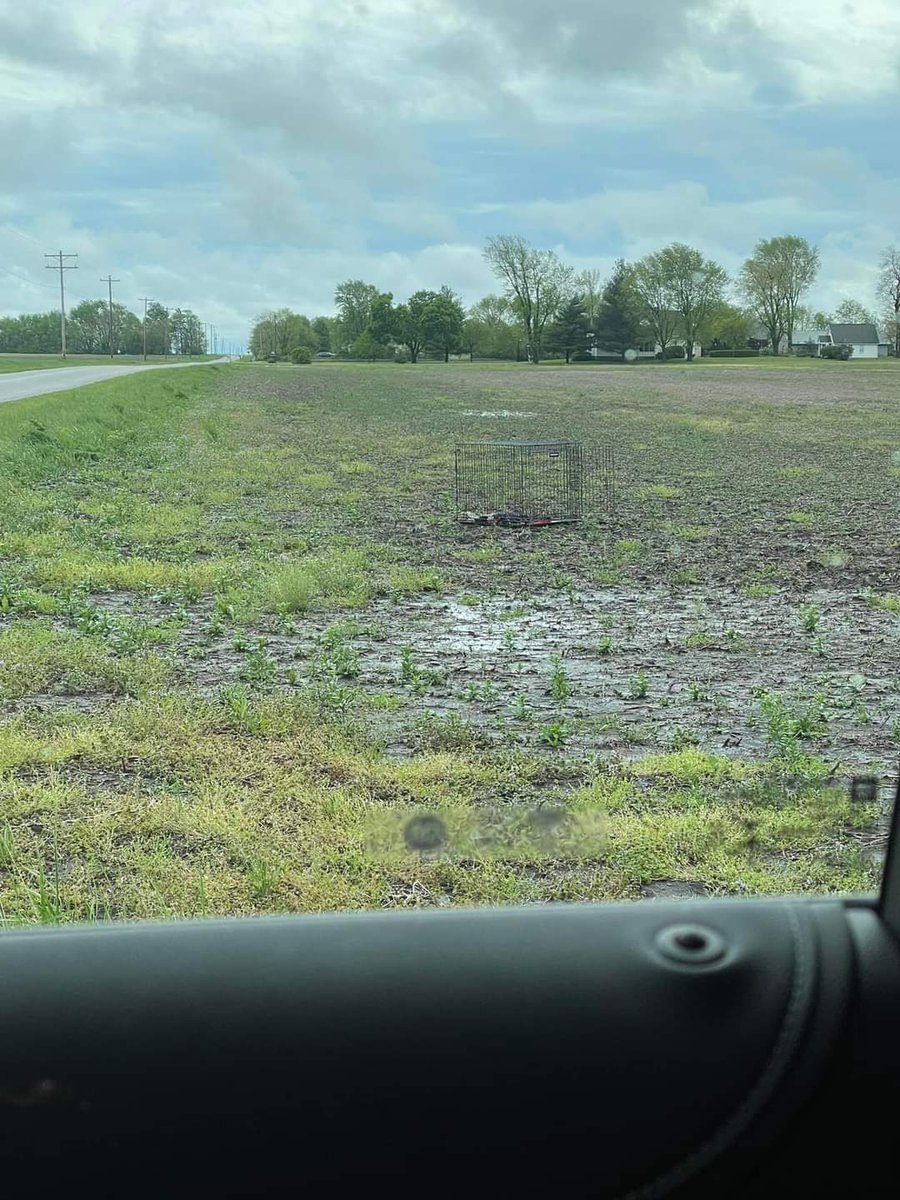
(496, 412)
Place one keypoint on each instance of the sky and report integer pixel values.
(237, 156)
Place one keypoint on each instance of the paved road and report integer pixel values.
(18, 384)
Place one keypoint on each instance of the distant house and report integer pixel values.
(808, 341)
(646, 346)
(862, 337)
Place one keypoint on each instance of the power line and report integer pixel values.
(25, 236)
(25, 279)
(109, 279)
(62, 266)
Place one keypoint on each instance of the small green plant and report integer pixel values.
(659, 491)
(260, 668)
(680, 738)
(7, 846)
(560, 686)
(809, 618)
(239, 711)
(416, 677)
(759, 591)
(46, 903)
(408, 669)
(888, 601)
(605, 645)
(339, 662)
(817, 646)
(263, 878)
(786, 723)
(638, 687)
(556, 734)
(696, 691)
(449, 733)
(682, 576)
(520, 708)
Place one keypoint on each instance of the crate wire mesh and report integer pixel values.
(519, 483)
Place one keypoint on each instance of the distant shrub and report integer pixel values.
(301, 355)
(401, 356)
(731, 353)
(671, 352)
(837, 353)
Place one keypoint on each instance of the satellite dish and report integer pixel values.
(631, 355)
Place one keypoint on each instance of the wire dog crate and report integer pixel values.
(519, 483)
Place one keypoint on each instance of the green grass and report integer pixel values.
(223, 693)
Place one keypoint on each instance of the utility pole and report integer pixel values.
(146, 300)
(61, 265)
(109, 279)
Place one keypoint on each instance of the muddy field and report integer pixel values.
(240, 625)
(752, 546)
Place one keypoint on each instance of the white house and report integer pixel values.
(650, 348)
(863, 337)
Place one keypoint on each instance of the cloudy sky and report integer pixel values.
(244, 154)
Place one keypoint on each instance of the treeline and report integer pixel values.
(668, 302)
(91, 328)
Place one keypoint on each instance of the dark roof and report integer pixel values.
(865, 333)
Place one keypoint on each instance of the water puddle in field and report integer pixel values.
(618, 670)
(628, 671)
(496, 412)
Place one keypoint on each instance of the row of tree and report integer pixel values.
(92, 327)
(669, 302)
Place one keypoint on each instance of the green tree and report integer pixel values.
(411, 322)
(382, 326)
(367, 346)
(650, 281)
(696, 285)
(298, 334)
(588, 285)
(729, 327)
(774, 279)
(569, 333)
(851, 312)
(353, 299)
(31, 333)
(616, 328)
(491, 329)
(158, 329)
(188, 334)
(322, 329)
(87, 328)
(537, 284)
(444, 316)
